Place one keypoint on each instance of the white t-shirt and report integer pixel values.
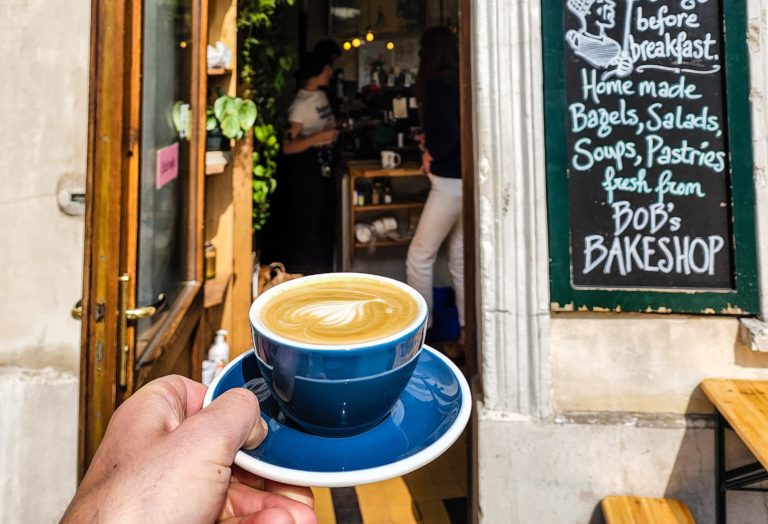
(312, 110)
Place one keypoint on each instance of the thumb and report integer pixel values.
(232, 421)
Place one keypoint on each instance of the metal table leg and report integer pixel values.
(720, 493)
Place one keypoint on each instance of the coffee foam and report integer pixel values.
(339, 311)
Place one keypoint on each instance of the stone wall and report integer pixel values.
(44, 103)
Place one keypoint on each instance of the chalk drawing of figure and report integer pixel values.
(590, 41)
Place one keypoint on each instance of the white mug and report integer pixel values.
(363, 233)
(390, 159)
(384, 225)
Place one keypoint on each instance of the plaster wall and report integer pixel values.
(644, 363)
(44, 52)
(536, 473)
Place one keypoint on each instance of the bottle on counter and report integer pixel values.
(377, 193)
(360, 191)
(391, 77)
(388, 194)
(218, 353)
(209, 252)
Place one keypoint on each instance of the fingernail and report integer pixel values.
(258, 435)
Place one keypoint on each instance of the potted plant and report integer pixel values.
(229, 117)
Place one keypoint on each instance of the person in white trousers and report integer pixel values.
(437, 91)
(440, 219)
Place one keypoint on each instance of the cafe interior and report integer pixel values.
(380, 190)
(380, 187)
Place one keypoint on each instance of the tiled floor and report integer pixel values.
(434, 494)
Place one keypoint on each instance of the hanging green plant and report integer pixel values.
(266, 149)
(267, 57)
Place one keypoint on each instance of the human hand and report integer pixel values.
(624, 67)
(164, 460)
(426, 162)
(327, 136)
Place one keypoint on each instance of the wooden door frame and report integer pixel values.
(111, 225)
(468, 185)
(471, 339)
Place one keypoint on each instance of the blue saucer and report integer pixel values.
(427, 419)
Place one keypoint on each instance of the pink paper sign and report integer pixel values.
(167, 165)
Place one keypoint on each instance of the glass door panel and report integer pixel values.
(165, 156)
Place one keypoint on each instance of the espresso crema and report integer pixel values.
(339, 311)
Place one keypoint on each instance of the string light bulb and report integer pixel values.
(356, 42)
(369, 36)
(346, 45)
(390, 45)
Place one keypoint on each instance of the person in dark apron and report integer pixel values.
(302, 233)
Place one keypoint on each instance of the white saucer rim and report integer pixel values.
(340, 479)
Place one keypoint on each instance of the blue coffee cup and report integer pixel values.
(341, 389)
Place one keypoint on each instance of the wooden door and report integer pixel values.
(142, 285)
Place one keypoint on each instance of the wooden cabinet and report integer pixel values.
(406, 205)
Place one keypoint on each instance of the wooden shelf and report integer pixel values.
(219, 71)
(384, 207)
(384, 243)
(362, 169)
(373, 169)
(215, 289)
(216, 162)
(215, 169)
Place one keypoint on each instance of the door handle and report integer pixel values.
(131, 314)
(77, 310)
(146, 311)
(124, 315)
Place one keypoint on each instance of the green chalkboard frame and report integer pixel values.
(744, 299)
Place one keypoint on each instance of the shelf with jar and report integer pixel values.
(384, 204)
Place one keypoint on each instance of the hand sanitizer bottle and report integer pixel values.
(219, 350)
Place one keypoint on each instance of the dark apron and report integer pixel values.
(302, 223)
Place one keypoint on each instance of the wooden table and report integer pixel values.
(742, 406)
(642, 510)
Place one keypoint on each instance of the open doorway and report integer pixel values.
(379, 195)
(358, 203)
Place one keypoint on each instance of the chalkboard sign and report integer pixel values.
(651, 202)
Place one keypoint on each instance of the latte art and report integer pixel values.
(339, 313)
(340, 310)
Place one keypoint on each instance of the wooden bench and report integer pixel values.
(644, 510)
